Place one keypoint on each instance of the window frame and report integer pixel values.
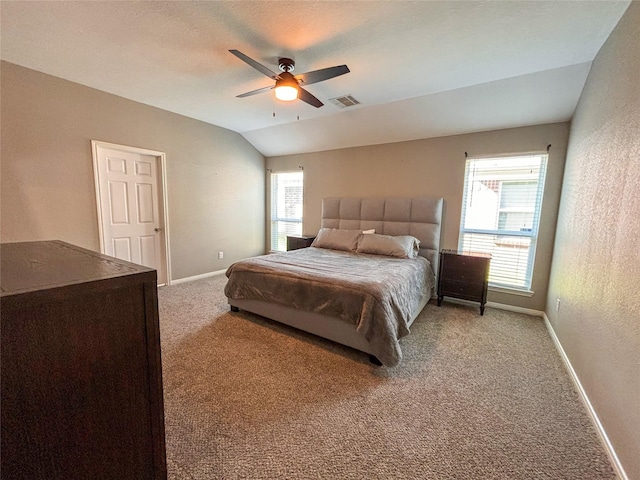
(530, 234)
(271, 219)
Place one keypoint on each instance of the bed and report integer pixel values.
(367, 276)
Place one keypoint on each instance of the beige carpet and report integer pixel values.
(476, 397)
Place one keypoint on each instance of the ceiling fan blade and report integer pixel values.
(322, 74)
(258, 66)
(255, 92)
(308, 98)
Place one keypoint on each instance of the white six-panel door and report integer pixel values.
(132, 226)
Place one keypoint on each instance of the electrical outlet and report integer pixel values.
(557, 304)
(220, 255)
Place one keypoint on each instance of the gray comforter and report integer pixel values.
(377, 294)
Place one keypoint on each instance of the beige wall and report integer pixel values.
(596, 264)
(434, 167)
(215, 177)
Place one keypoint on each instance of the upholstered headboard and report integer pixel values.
(417, 216)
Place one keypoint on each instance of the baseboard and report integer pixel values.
(512, 308)
(197, 277)
(615, 461)
(499, 306)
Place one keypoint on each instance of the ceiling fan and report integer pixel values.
(289, 87)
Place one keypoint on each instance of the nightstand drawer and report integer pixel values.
(294, 242)
(470, 275)
(465, 262)
(461, 289)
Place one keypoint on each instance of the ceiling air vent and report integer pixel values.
(344, 101)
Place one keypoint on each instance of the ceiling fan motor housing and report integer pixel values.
(286, 79)
(286, 64)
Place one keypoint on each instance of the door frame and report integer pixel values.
(161, 162)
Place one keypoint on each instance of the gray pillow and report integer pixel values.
(337, 239)
(402, 246)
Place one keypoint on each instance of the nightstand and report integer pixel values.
(294, 242)
(464, 275)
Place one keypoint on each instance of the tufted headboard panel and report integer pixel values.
(417, 216)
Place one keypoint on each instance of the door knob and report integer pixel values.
(157, 229)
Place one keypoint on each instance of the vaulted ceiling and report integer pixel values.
(419, 69)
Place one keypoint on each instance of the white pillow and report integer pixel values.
(369, 232)
(402, 246)
(337, 239)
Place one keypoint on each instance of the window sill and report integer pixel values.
(512, 291)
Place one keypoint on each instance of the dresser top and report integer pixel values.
(28, 266)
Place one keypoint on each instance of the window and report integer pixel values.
(286, 208)
(501, 213)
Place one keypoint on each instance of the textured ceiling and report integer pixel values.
(420, 69)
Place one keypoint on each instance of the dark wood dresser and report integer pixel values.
(81, 372)
(294, 242)
(464, 276)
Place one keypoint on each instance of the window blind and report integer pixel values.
(501, 207)
(286, 207)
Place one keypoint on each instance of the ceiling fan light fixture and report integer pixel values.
(286, 93)
(286, 88)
